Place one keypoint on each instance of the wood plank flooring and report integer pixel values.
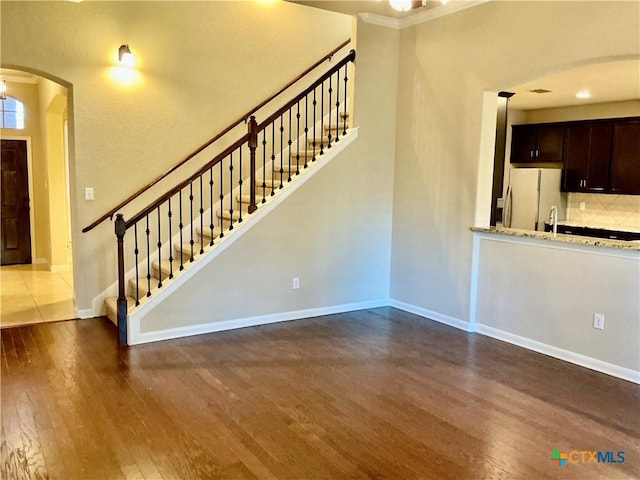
(371, 394)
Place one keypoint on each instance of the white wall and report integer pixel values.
(446, 65)
(324, 234)
(546, 293)
(53, 100)
(334, 233)
(200, 66)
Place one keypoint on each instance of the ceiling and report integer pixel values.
(380, 12)
(606, 82)
(17, 76)
(375, 7)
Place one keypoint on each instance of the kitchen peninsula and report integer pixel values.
(542, 292)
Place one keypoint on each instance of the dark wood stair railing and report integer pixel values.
(291, 123)
(208, 143)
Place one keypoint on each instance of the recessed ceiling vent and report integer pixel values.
(540, 90)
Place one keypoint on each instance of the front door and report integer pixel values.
(16, 229)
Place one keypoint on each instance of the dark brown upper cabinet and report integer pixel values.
(537, 143)
(625, 157)
(587, 150)
(598, 156)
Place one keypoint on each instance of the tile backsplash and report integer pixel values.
(615, 212)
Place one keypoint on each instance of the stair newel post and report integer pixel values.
(121, 228)
(253, 145)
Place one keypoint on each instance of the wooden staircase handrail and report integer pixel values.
(162, 198)
(349, 58)
(205, 145)
(237, 144)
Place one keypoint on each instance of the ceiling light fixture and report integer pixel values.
(406, 5)
(3, 90)
(401, 5)
(125, 57)
(582, 94)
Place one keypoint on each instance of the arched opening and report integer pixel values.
(38, 284)
(556, 97)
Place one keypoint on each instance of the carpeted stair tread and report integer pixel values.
(186, 247)
(166, 268)
(142, 286)
(111, 304)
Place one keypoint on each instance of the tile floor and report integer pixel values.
(32, 294)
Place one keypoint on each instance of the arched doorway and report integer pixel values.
(556, 96)
(39, 286)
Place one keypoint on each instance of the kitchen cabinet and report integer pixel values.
(537, 143)
(598, 156)
(587, 149)
(625, 157)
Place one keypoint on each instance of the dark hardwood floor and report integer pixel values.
(371, 394)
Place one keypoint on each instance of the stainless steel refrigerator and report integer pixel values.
(530, 195)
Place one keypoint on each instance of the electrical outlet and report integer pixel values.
(598, 321)
(296, 283)
(583, 206)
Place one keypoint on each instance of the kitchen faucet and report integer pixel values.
(553, 219)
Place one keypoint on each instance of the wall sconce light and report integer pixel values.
(125, 57)
(3, 90)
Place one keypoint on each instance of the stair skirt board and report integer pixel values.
(136, 337)
(272, 182)
(98, 303)
(223, 218)
(210, 252)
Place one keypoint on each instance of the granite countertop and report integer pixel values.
(576, 239)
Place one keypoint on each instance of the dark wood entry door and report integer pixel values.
(16, 229)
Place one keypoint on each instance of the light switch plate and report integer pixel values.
(88, 193)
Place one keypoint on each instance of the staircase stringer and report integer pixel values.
(165, 250)
(147, 304)
(98, 302)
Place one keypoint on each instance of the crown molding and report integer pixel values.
(453, 6)
(422, 17)
(381, 20)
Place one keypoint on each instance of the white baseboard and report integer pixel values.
(559, 353)
(86, 313)
(431, 315)
(136, 337)
(562, 354)
(231, 236)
